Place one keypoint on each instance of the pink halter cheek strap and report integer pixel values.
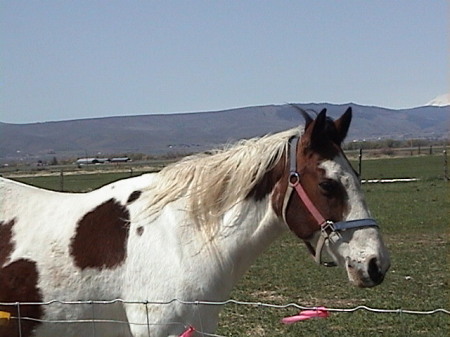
(294, 182)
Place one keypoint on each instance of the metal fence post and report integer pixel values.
(93, 318)
(19, 319)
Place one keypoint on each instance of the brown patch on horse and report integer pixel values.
(134, 196)
(101, 237)
(19, 283)
(266, 185)
(6, 243)
(279, 193)
(140, 230)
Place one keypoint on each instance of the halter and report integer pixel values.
(327, 227)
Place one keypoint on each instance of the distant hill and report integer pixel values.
(192, 132)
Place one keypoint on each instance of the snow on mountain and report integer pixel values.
(441, 100)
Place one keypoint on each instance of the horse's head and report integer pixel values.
(324, 204)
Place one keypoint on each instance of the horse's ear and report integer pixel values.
(317, 134)
(306, 116)
(342, 125)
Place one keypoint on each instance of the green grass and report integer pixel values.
(414, 221)
(421, 167)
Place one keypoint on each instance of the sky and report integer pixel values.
(63, 60)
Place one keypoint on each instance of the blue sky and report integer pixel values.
(79, 59)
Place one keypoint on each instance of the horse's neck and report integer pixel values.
(192, 262)
(246, 231)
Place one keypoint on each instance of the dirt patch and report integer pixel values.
(269, 296)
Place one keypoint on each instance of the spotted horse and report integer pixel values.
(188, 232)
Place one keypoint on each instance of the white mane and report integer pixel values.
(214, 183)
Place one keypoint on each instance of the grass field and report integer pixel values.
(414, 221)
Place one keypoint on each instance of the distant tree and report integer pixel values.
(54, 161)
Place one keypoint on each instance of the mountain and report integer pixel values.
(441, 100)
(192, 132)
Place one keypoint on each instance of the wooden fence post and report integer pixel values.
(445, 166)
(61, 181)
(360, 164)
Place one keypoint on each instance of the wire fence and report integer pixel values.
(15, 306)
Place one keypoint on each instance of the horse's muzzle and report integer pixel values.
(367, 273)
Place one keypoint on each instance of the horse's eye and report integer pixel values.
(328, 186)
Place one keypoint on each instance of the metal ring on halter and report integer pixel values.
(294, 178)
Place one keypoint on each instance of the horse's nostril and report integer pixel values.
(375, 272)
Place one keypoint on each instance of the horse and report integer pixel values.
(188, 232)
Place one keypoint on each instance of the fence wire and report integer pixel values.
(17, 305)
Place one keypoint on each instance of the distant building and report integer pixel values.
(87, 161)
(120, 160)
(91, 161)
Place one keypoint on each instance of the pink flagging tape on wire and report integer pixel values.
(319, 312)
(189, 332)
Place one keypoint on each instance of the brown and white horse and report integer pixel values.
(188, 233)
